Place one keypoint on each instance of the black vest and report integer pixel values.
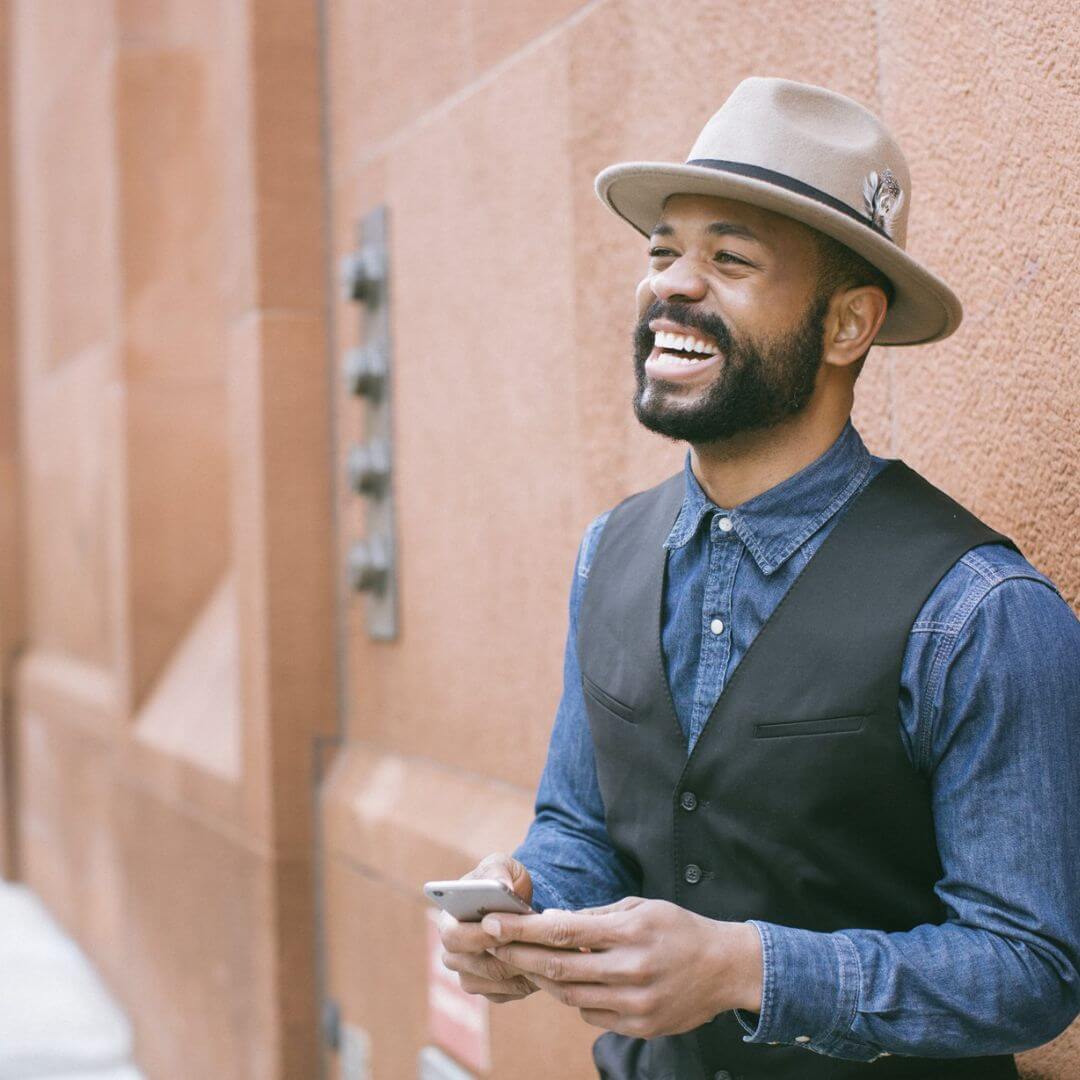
(798, 805)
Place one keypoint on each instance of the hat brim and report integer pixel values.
(924, 308)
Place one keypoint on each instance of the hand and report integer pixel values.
(465, 945)
(639, 967)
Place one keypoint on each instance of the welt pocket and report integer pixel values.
(614, 705)
(825, 725)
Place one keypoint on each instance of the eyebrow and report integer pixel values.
(715, 228)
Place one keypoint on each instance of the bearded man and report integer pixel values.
(810, 800)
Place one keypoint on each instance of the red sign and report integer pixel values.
(458, 1021)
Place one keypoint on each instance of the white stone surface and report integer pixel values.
(57, 1018)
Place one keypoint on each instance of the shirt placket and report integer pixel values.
(725, 550)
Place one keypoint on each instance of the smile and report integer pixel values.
(666, 365)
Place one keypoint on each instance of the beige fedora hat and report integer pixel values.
(812, 155)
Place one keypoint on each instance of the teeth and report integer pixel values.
(665, 340)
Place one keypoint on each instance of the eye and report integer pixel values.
(723, 256)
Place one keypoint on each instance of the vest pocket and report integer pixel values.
(603, 698)
(826, 725)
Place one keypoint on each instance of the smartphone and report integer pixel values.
(469, 900)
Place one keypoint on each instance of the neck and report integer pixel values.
(732, 471)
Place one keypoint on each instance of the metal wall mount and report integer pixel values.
(372, 561)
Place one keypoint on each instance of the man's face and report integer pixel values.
(741, 281)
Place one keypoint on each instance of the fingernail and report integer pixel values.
(491, 926)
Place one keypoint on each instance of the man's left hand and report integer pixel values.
(639, 967)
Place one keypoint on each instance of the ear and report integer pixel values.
(852, 322)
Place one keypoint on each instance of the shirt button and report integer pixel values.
(802, 1038)
(725, 524)
(692, 874)
(688, 800)
(717, 626)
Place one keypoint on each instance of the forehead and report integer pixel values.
(688, 213)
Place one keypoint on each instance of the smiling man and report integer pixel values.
(809, 805)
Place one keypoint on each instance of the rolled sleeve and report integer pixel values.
(1000, 974)
(810, 991)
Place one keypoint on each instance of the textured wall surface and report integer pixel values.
(176, 656)
(482, 131)
(183, 177)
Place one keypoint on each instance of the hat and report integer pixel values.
(812, 155)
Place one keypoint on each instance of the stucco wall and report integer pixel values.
(482, 130)
(184, 177)
(172, 445)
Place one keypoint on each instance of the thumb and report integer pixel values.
(506, 869)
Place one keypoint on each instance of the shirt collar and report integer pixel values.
(775, 522)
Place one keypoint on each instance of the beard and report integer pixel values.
(756, 387)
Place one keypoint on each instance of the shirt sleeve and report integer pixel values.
(567, 850)
(1001, 974)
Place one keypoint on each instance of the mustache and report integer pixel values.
(685, 315)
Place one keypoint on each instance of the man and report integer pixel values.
(809, 806)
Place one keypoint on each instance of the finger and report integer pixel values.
(559, 929)
(476, 984)
(479, 964)
(491, 866)
(601, 1018)
(559, 965)
(507, 869)
(581, 995)
(464, 937)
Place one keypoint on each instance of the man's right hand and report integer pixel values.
(465, 944)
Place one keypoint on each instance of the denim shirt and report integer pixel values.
(989, 711)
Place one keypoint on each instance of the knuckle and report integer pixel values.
(561, 934)
(554, 968)
(645, 1002)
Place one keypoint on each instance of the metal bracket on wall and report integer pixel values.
(372, 561)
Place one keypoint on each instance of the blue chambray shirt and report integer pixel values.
(990, 712)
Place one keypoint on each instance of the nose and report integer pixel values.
(679, 281)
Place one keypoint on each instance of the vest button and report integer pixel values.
(692, 874)
(688, 800)
(723, 1074)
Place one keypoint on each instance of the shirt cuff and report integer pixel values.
(809, 993)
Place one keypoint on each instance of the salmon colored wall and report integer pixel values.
(481, 130)
(184, 177)
(173, 445)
